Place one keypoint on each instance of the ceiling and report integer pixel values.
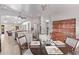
(34, 10)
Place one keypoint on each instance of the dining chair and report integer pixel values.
(22, 42)
(76, 52)
(71, 45)
(28, 52)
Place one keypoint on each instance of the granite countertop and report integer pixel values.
(53, 50)
(35, 43)
(59, 43)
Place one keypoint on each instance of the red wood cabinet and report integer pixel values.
(63, 28)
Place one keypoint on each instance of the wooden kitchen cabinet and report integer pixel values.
(62, 28)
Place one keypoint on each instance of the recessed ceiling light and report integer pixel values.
(5, 21)
(14, 22)
(47, 20)
(15, 17)
(7, 16)
(18, 21)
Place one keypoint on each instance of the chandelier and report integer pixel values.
(44, 7)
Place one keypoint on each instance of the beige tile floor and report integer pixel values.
(9, 46)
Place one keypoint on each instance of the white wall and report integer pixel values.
(43, 26)
(0, 24)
